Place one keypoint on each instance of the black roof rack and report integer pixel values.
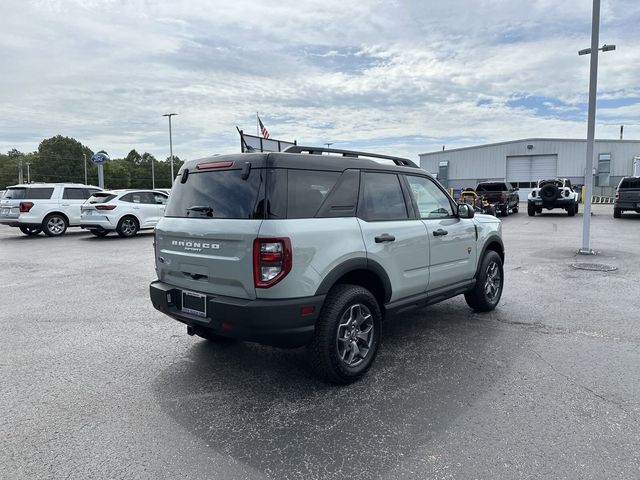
(404, 162)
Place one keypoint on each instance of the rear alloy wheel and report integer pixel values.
(531, 209)
(54, 225)
(487, 291)
(31, 231)
(617, 212)
(347, 334)
(100, 233)
(127, 227)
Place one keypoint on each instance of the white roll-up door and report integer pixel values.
(524, 171)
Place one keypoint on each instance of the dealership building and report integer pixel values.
(524, 162)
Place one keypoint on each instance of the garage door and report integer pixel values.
(524, 171)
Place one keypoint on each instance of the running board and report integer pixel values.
(428, 298)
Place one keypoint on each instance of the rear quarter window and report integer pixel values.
(31, 193)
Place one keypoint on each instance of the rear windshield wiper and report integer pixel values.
(206, 209)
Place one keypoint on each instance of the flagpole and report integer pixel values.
(257, 124)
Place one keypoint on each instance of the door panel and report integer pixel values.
(452, 241)
(405, 259)
(72, 200)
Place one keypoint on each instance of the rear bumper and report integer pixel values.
(270, 322)
(97, 224)
(557, 203)
(16, 222)
(627, 205)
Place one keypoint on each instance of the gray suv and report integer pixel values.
(315, 247)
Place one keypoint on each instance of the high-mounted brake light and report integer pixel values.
(25, 206)
(208, 165)
(105, 207)
(272, 261)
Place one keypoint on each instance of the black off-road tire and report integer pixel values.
(323, 349)
(128, 226)
(617, 212)
(54, 225)
(505, 211)
(479, 298)
(516, 209)
(31, 231)
(531, 209)
(100, 233)
(577, 206)
(571, 210)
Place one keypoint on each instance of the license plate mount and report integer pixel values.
(194, 303)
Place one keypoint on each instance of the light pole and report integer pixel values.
(591, 124)
(170, 142)
(85, 168)
(328, 145)
(28, 172)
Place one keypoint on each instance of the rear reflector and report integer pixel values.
(208, 165)
(105, 207)
(25, 206)
(226, 326)
(307, 310)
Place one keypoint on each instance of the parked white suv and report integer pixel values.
(44, 207)
(125, 211)
(553, 193)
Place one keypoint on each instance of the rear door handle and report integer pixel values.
(385, 237)
(440, 233)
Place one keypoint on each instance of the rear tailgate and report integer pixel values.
(205, 241)
(631, 195)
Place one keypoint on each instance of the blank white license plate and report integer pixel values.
(194, 303)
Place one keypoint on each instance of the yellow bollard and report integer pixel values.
(584, 189)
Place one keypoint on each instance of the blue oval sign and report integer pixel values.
(100, 158)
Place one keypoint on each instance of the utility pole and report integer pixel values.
(153, 175)
(28, 172)
(591, 124)
(621, 131)
(328, 145)
(20, 177)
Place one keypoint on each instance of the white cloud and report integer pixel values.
(401, 77)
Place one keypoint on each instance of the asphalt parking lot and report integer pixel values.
(96, 384)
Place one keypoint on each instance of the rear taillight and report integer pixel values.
(105, 207)
(25, 206)
(503, 197)
(272, 260)
(617, 195)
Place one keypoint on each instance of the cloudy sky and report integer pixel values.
(397, 76)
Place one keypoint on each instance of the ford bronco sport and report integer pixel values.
(315, 246)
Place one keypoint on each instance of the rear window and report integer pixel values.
(630, 183)
(101, 198)
(30, 193)
(492, 187)
(218, 194)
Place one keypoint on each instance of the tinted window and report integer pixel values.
(160, 199)
(73, 194)
(218, 194)
(431, 201)
(100, 197)
(492, 187)
(306, 191)
(630, 183)
(90, 191)
(31, 193)
(382, 198)
(138, 197)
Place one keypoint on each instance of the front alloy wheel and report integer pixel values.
(486, 293)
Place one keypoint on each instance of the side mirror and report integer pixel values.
(465, 211)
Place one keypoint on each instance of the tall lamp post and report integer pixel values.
(591, 124)
(170, 142)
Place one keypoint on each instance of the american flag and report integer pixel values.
(263, 129)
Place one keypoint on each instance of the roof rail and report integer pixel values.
(404, 162)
